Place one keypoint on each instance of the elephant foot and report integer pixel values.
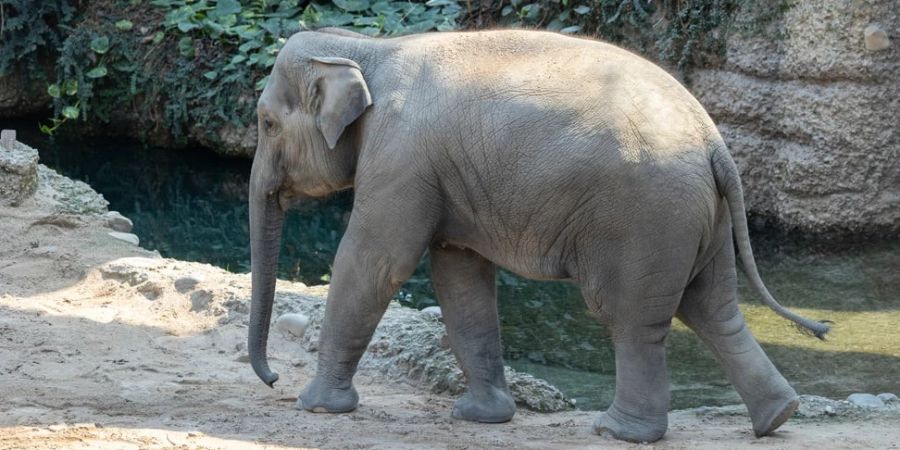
(630, 428)
(492, 405)
(317, 397)
(768, 420)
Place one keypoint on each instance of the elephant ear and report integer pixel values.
(343, 96)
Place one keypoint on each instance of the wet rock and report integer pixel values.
(18, 170)
(887, 397)
(118, 222)
(876, 38)
(186, 283)
(434, 311)
(292, 323)
(865, 400)
(127, 237)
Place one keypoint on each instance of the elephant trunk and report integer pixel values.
(266, 218)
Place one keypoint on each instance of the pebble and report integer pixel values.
(434, 311)
(127, 237)
(876, 38)
(294, 324)
(865, 400)
(887, 397)
(118, 222)
(829, 410)
(188, 282)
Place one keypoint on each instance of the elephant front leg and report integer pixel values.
(466, 289)
(366, 274)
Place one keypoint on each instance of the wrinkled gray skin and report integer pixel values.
(554, 157)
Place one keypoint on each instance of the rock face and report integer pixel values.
(18, 169)
(809, 107)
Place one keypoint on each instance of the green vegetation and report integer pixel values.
(189, 68)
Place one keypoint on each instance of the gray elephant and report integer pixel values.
(554, 157)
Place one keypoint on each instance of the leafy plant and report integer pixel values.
(29, 29)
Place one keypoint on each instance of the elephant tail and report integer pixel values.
(728, 183)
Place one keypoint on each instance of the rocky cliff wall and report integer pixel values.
(809, 107)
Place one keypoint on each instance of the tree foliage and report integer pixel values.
(194, 64)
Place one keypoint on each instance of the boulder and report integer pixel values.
(127, 237)
(18, 170)
(118, 222)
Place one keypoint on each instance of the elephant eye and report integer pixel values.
(270, 127)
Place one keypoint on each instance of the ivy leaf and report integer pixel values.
(53, 90)
(70, 112)
(124, 25)
(97, 72)
(100, 45)
(583, 9)
(226, 7)
(70, 87)
(211, 75)
(158, 37)
(570, 30)
(186, 47)
(261, 84)
(352, 5)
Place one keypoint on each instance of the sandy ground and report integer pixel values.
(97, 354)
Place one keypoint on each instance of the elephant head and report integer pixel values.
(307, 147)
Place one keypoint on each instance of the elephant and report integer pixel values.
(555, 157)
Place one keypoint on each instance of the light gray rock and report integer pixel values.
(865, 400)
(876, 38)
(118, 222)
(888, 397)
(188, 282)
(18, 170)
(292, 323)
(127, 237)
(434, 311)
(407, 345)
(67, 195)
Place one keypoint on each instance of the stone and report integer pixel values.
(127, 237)
(434, 311)
(200, 300)
(876, 38)
(865, 400)
(292, 323)
(888, 397)
(18, 170)
(118, 222)
(188, 282)
(8, 138)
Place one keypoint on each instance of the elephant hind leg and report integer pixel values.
(709, 307)
(638, 310)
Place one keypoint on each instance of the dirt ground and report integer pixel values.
(100, 348)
